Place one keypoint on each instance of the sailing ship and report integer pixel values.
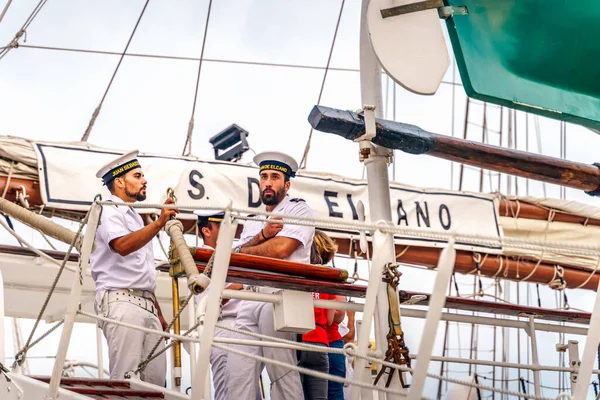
(548, 242)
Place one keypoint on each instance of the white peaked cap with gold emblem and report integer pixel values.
(118, 167)
(210, 215)
(277, 161)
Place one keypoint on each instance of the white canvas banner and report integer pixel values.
(68, 181)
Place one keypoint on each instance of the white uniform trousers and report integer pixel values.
(244, 372)
(218, 361)
(127, 347)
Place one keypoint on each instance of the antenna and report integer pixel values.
(408, 41)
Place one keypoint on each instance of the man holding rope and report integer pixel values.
(275, 240)
(124, 272)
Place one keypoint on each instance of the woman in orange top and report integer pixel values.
(317, 388)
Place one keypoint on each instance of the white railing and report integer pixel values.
(200, 368)
(2, 350)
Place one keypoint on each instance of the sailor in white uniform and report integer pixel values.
(209, 222)
(276, 240)
(124, 271)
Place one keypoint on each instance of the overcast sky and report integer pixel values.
(51, 95)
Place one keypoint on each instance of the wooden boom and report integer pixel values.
(414, 140)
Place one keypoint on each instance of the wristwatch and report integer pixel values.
(237, 249)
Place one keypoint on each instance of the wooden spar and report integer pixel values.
(32, 188)
(414, 140)
(237, 275)
(521, 209)
(255, 277)
(493, 266)
(278, 266)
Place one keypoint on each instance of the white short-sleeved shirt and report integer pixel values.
(111, 270)
(229, 309)
(304, 234)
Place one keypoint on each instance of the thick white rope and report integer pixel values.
(35, 221)
(32, 248)
(474, 239)
(196, 282)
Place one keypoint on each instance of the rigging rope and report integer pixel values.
(143, 364)
(337, 25)
(5, 10)
(173, 343)
(23, 31)
(188, 140)
(86, 135)
(22, 354)
(18, 359)
(209, 60)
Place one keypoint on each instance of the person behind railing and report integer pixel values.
(348, 332)
(209, 223)
(276, 240)
(324, 249)
(316, 388)
(124, 272)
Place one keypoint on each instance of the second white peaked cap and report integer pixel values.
(213, 215)
(105, 172)
(267, 157)
(209, 213)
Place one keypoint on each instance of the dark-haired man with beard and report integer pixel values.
(124, 271)
(275, 240)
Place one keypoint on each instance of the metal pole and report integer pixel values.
(492, 321)
(193, 347)
(574, 362)
(534, 356)
(589, 351)
(465, 130)
(444, 349)
(434, 312)
(365, 394)
(483, 140)
(368, 313)
(74, 298)
(495, 344)
(380, 209)
(200, 313)
(529, 367)
(213, 300)
(505, 340)
(99, 354)
(177, 331)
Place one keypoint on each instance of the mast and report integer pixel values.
(376, 162)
